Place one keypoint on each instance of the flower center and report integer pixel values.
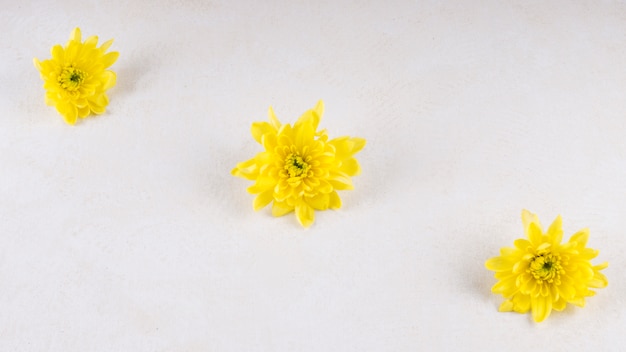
(296, 166)
(71, 78)
(546, 267)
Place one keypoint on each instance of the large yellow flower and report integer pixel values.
(541, 274)
(300, 168)
(76, 78)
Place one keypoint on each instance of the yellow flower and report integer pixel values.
(541, 274)
(76, 78)
(300, 168)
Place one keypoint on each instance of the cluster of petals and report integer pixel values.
(76, 77)
(300, 169)
(540, 273)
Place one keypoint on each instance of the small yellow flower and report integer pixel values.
(300, 168)
(76, 78)
(540, 274)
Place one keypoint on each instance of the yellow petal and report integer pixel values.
(346, 147)
(247, 169)
(528, 218)
(305, 132)
(534, 234)
(357, 144)
(324, 187)
(521, 303)
(318, 202)
(559, 304)
(599, 280)
(273, 119)
(281, 208)
(106, 45)
(334, 202)
(83, 111)
(341, 181)
(109, 59)
(578, 301)
(505, 286)
(305, 214)
(263, 199)
(58, 54)
(506, 306)
(308, 118)
(37, 64)
(601, 266)
(69, 112)
(97, 108)
(259, 129)
(92, 41)
(262, 184)
(350, 167)
(541, 307)
(109, 79)
(498, 264)
(75, 34)
(580, 237)
(555, 231)
(319, 111)
(522, 244)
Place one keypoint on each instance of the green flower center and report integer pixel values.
(296, 166)
(71, 78)
(546, 267)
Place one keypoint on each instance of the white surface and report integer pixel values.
(127, 232)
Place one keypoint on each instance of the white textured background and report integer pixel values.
(127, 232)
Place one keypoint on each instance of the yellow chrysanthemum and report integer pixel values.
(300, 168)
(540, 274)
(76, 78)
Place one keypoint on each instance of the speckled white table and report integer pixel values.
(127, 232)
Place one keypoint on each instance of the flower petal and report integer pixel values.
(559, 304)
(580, 237)
(498, 264)
(334, 202)
(541, 307)
(75, 34)
(555, 231)
(106, 45)
(305, 214)
(68, 111)
(346, 147)
(528, 218)
(350, 167)
(534, 234)
(521, 303)
(58, 54)
(319, 111)
(599, 280)
(247, 169)
(505, 286)
(263, 199)
(522, 244)
(340, 181)
(319, 201)
(109, 59)
(91, 41)
(273, 119)
(304, 134)
(109, 79)
(281, 208)
(83, 111)
(259, 129)
(506, 306)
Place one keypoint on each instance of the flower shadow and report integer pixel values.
(129, 73)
